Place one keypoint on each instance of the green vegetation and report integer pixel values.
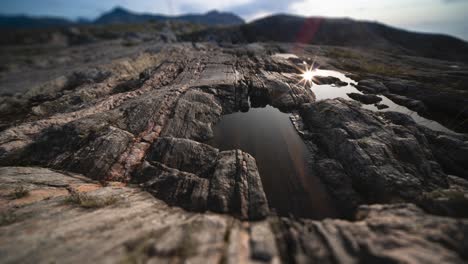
(451, 195)
(90, 201)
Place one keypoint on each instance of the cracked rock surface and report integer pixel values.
(116, 158)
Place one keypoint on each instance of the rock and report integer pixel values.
(236, 186)
(150, 190)
(139, 228)
(185, 155)
(321, 80)
(371, 237)
(198, 177)
(175, 187)
(193, 115)
(427, 94)
(451, 152)
(136, 227)
(371, 86)
(381, 106)
(384, 162)
(414, 105)
(365, 98)
(339, 185)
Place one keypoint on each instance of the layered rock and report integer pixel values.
(198, 177)
(136, 227)
(364, 157)
(143, 120)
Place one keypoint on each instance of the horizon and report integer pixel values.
(436, 16)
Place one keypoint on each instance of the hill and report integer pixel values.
(118, 15)
(341, 32)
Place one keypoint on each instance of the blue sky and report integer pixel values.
(444, 16)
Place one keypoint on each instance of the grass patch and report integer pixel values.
(90, 201)
(451, 195)
(19, 192)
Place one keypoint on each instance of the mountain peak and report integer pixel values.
(213, 12)
(119, 10)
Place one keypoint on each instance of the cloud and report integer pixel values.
(454, 1)
(205, 5)
(258, 15)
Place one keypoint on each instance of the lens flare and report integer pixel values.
(307, 75)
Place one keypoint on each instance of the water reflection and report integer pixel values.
(282, 159)
(331, 91)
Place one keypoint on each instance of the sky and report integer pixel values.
(440, 16)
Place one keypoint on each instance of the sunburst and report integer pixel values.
(307, 74)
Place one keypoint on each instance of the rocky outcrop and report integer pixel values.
(321, 80)
(144, 120)
(381, 234)
(47, 225)
(198, 177)
(384, 162)
(365, 98)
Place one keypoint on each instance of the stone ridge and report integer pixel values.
(139, 228)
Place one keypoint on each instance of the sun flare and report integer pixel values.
(307, 75)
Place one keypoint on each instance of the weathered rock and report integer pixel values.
(415, 105)
(175, 187)
(371, 86)
(365, 98)
(236, 186)
(137, 118)
(320, 80)
(397, 233)
(381, 106)
(384, 162)
(193, 115)
(451, 152)
(197, 177)
(136, 227)
(185, 155)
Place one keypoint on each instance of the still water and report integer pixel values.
(282, 159)
(331, 91)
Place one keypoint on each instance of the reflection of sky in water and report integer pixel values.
(282, 159)
(330, 91)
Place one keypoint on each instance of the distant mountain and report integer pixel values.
(121, 15)
(23, 21)
(340, 32)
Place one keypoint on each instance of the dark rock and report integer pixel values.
(365, 98)
(320, 80)
(193, 116)
(414, 105)
(236, 186)
(381, 106)
(369, 238)
(185, 155)
(371, 86)
(175, 187)
(383, 163)
(198, 177)
(451, 152)
(85, 77)
(339, 185)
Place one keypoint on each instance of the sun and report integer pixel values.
(307, 75)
